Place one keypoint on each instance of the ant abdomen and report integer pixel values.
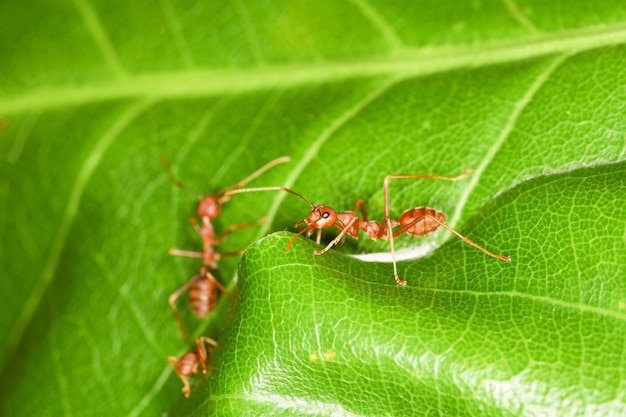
(202, 296)
(421, 221)
(188, 364)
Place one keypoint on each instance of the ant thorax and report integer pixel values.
(349, 221)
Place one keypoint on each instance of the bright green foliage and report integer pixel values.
(530, 95)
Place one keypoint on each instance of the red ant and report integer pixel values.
(209, 208)
(418, 221)
(203, 286)
(191, 362)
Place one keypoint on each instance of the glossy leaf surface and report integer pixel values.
(530, 96)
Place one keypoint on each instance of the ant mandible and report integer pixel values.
(191, 362)
(209, 208)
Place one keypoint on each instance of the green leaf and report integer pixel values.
(530, 96)
(467, 336)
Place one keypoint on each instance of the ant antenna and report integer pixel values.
(224, 193)
(175, 180)
(252, 190)
(227, 192)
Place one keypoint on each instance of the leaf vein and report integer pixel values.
(57, 363)
(385, 29)
(93, 24)
(177, 33)
(212, 82)
(249, 31)
(517, 14)
(305, 405)
(536, 298)
(504, 134)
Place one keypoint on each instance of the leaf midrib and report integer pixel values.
(224, 81)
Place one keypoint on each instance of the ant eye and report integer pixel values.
(325, 215)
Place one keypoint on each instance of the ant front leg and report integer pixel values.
(343, 232)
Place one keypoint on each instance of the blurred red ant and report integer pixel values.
(418, 221)
(209, 209)
(203, 287)
(191, 362)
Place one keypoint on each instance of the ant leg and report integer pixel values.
(219, 285)
(359, 203)
(173, 361)
(194, 223)
(172, 302)
(232, 228)
(221, 255)
(417, 176)
(399, 281)
(505, 258)
(338, 238)
(201, 343)
(186, 253)
(318, 238)
(293, 239)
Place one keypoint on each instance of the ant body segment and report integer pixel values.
(203, 290)
(192, 362)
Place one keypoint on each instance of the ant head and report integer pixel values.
(209, 206)
(321, 217)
